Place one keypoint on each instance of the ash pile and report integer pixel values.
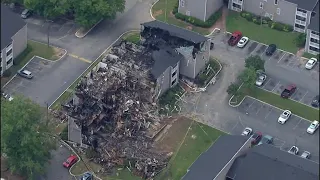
(115, 107)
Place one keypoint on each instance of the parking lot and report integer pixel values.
(50, 79)
(293, 132)
(301, 95)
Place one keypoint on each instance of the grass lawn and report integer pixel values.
(197, 140)
(162, 11)
(263, 34)
(133, 37)
(274, 99)
(67, 94)
(33, 49)
(169, 99)
(308, 55)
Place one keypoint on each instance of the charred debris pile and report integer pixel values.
(116, 109)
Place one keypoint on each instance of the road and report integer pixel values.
(211, 107)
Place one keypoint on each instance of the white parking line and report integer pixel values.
(266, 83)
(61, 27)
(303, 96)
(282, 57)
(250, 105)
(268, 114)
(275, 86)
(254, 49)
(297, 124)
(259, 110)
(234, 127)
(292, 95)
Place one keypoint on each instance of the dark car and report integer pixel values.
(86, 176)
(266, 139)
(256, 137)
(271, 49)
(288, 91)
(235, 38)
(315, 101)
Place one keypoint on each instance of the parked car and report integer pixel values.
(266, 139)
(310, 63)
(86, 176)
(7, 96)
(313, 127)
(285, 115)
(294, 150)
(243, 42)
(235, 37)
(271, 49)
(26, 13)
(256, 137)
(306, 155)
(25, 73)
(261, 79)
(288, 91)
(315, 101)
(72, 159)
(246, 132)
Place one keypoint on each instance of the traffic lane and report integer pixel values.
(262, 117)
(301, 95)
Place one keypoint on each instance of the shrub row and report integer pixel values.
(266, 20)
(195, 21)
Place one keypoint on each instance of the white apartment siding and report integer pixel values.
(312, 47)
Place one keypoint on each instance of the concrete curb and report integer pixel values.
(65, 51)
(214, 77)
(81, 75)
(150, 11)
(53, 61)
(233, 96)
(82, 36)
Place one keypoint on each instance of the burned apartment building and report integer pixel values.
(176, 51)
(115, 108)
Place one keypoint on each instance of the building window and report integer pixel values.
(313, 32)
(301, 18)
(301, 10)
(314, 40)
(276, 2)
(173, 82)
(313, 49)
(299, 26)
(278, 11)
(181, 3)
(173, 74)
(9, 62)
(236, 5)
(261, 5)
(9, 52)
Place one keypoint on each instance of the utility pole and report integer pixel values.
(165, 12)
(48, 31)
(47, 105)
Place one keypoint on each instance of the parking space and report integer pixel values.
(301, 94)
(293, 132)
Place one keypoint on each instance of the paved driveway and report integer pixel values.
(293, 132)
(49, 81)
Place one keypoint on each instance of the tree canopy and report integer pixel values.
(86, 12)
(256, 62)
(248, 77)
(24, 137)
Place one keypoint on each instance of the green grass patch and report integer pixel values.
(308, 55)
(168, 100)
(263, 34)
(162, 11)
(33, 49)
(62, 99)
(198, 139)
(133, 37)
(275, 100)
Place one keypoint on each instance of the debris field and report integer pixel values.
(115, 107)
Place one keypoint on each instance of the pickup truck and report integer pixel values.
(294, 150)
(288, 91)
(235, 38)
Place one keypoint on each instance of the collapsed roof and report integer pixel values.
(177, 31)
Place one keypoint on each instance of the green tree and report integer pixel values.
(233, 88)
(89, 12)
(48, 8)
(254, 61)
(300, 40)
(248, 77)
(25, 137)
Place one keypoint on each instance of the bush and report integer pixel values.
(64, 134)
(197, 22)
(249, 17)
(300, 40)
(175, 8)
(277, 26)
(256, 20)
(243, 14)
(233, 88)
(7, 73)
(287, 28)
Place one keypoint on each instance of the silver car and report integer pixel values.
(261, 79)
(25, 13)
(306, 155)
(25, 73)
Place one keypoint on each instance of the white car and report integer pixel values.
(294, 150)
(243, 41)
(306, 155)
(261, 79)
(246, 132)
(310, 63)
(284, 116)
(313, 127)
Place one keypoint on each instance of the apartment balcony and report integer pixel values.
(239, 2)
(299, 30)
(303, 23)
(9, 57)
(235, 9)
(9, 47)
(299, 13)
(316, 45)
(314, 36)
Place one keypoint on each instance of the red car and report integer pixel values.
(70, 161)
(256, 137)
(235, 38)
(288, 91)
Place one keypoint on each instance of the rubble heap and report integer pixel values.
(114, 107)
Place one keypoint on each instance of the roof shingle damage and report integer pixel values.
(11, 23)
